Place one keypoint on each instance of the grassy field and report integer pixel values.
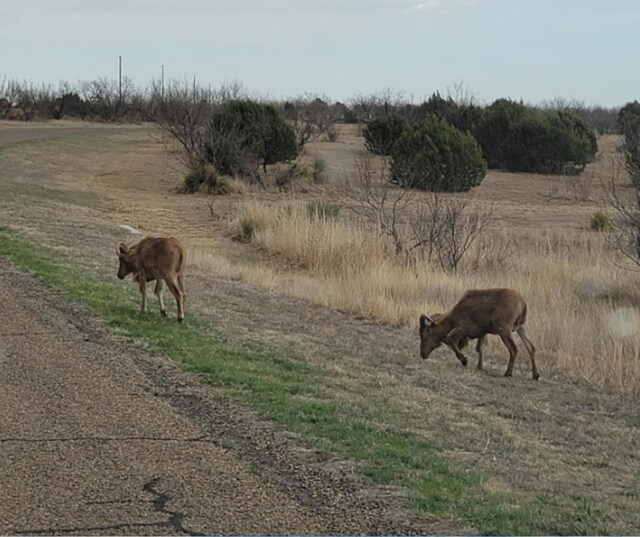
(580, 301)
(500, 455)
(276, 382)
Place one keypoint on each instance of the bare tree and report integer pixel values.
(313, 117)
(325, 118)
(625, 237)
(462, 94)
(228, 91)
(461, 223)
(185, 119)
(378, 202)
(385, 103)
(12, 95)
(427, 225)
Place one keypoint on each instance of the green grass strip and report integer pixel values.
(278, 384)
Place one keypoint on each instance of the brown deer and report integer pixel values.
(478, 313)
(160, 259)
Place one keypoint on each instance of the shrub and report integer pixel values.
(245, 133)
(517, 138)
(464, 117)
(559, 144)
(247, 228)
(495, 129)
(323, 210)
(600, 222)
(629, 120)
(349, 116)
(435, 156)
(628, 239)
(319, 170)
(204, 175)
(218, 185)
(381, 134)
(287, 176)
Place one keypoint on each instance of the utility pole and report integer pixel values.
(120, 78)
(162, 85)
(194, 88)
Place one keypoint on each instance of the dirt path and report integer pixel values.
(10, 134)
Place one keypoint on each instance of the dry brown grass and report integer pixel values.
(582, 318)
(583, 307)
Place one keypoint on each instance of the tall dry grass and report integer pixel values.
(582, 314)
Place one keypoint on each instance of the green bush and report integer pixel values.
(381, 133)
(600, 222)
(629, 123)
(495, 129)
(464, 117)
(629, 120)
(245, 134)
(517, 138)
(435, 156)
(205, 176)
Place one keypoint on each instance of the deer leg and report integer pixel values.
(453, 340)
(522, 332)
(181, 283)
(479, 347)
(158, 292)
(182, 288)
(142, 282)
(179, 296)
(506, 338)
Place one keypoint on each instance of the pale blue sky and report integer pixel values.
(530, 49)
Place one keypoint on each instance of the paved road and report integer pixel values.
(89, 445)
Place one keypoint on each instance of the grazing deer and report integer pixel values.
(478, 313)
(161, 259)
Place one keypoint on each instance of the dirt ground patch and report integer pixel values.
(555, 439)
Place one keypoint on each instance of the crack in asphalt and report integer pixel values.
(160, 500)
(160, 505)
